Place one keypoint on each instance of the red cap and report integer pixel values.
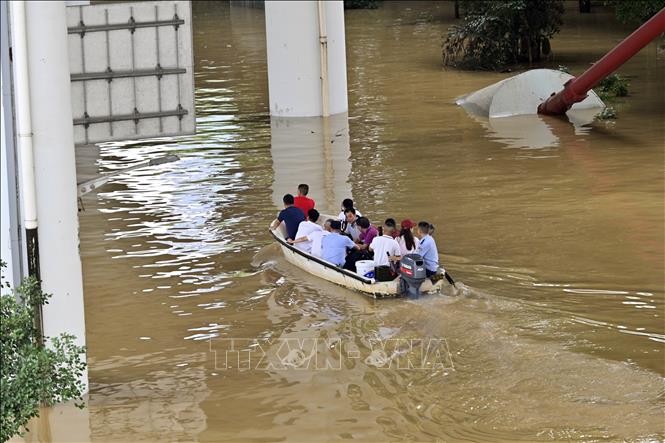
(408, 224)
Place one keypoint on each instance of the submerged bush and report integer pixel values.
(495, 34)
(32, 374)
(609, 113)
(612, 86)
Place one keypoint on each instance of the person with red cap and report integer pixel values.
(408, 244)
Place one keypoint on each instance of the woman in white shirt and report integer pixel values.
(408, 243)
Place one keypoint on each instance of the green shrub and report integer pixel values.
(609, 113)
(32, 374)
(495, 34)
(635, 11)
(613, 85)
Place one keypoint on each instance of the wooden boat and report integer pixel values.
(327, 271)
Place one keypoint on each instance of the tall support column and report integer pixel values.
(304, 40)
(55, 169)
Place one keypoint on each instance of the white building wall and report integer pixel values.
(6, 226)
(294, 58)
(10, 248)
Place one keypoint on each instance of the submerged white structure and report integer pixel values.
(521, 95)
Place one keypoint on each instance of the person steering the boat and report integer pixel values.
(334, 245)
(427, 248)
(290, 216)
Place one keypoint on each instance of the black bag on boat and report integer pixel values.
(384, 273)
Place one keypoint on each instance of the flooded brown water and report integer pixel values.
(556, 232)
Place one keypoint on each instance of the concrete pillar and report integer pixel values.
(315, 151)
(294, 52)
(55, 168)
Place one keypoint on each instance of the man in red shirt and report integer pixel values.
(303, 202)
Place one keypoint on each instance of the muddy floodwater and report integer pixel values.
(555, 230)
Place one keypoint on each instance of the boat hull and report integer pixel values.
(342, 277)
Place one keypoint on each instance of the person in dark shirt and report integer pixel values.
(291, 216)
(303, 202)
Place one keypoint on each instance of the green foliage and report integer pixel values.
(31, 373)
(495, 34)
(609, 113)
(635, 11)
(612, 86)
(361, 4)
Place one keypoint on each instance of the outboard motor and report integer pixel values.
(411, 275)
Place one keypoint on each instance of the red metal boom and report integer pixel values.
(575, 89)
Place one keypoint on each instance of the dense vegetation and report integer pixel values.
(636, 11)
(613, 85)
(32, 374)
(495, 34)
(361, 4)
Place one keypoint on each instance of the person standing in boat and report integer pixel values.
(408, 244)
(306, 228)
(427, 248)
(303, 202)
(334, 245)
(290, 216)
(347, 203)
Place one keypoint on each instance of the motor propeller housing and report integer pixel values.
(412, 274)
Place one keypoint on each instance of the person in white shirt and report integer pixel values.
(408, 244)
(316, 237)
(347, 203)
(306, 228)
(385, 247)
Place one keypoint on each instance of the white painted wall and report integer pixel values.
(294, 60)
(6, 226)
(10, 247)
(55, 168)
